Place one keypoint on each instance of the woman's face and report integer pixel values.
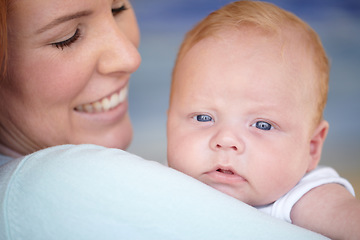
(69, 68)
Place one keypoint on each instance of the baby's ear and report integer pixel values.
(316, 143)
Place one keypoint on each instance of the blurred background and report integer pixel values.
(163, 24)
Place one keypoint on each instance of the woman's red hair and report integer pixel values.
(3, 38)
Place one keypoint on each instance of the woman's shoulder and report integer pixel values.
(91, 192)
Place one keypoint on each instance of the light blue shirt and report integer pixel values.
(90, 192)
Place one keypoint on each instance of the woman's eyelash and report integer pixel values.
(116, 11)
(66, 43)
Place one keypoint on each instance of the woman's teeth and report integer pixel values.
(104, 104)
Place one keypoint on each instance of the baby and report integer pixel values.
(248, 92)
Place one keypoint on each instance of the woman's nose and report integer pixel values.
(227, 140)
(119, 53)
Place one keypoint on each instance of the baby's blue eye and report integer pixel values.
(203, 118)
(263, 125)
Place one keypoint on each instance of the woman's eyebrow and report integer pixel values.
(62, 19)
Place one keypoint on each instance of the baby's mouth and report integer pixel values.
(225, 171)
(104, 104)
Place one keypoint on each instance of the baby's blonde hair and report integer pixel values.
(271, 19)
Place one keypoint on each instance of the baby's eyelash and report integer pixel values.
(118, 10)
(66, 43)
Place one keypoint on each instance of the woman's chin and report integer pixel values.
(118, 136)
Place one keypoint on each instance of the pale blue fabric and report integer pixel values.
(90, 192)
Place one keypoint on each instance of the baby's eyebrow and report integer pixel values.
(62, 19)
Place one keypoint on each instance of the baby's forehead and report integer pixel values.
(252, 46)
(264, 45)
(282, 53)
(288, 43)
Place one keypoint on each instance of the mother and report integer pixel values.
(69, 65)
(65, 70)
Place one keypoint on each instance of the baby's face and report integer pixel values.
(239, 119)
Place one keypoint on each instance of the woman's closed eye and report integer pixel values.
(116, 11)
(262, 125)
(66, 43)
(203, 118)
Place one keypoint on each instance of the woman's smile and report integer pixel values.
(105, 104)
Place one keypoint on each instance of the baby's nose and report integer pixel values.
(227, 140)
(233, 147)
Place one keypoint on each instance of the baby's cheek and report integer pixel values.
(174, 154)
(177, 160)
